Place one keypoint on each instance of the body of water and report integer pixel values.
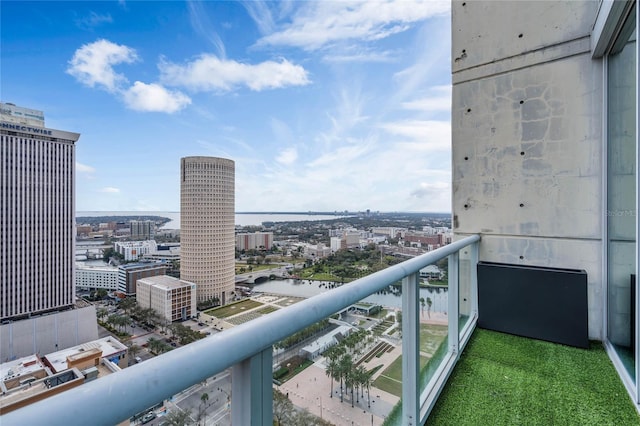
(242, 219)
(392, 298)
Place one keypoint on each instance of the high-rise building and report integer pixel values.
(207, 234)
(37, 214)
(144, 229)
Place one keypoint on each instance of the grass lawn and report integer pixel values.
(267, 310)
(431, 337)
(233, 309)
(509, 380)
(255, 267)
(391, 378)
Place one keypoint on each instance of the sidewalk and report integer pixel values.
(311, 388)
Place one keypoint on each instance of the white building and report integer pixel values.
(336, 244)
(207, 234)
(134, 250)
(37, 214)
(390, 231)
(431, 272)
(94, 277)
(171, 298)
(317, 251)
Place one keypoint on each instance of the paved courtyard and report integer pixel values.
(311, 388)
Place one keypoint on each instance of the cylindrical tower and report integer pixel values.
(207, 231)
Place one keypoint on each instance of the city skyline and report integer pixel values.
(323, 106)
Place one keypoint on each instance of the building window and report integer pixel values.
(622, 193)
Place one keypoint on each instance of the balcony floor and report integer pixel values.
(508, 380)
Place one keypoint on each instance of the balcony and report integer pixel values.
(247, 348)
(505, 379)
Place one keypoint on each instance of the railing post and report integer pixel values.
(453, 311)
(473, 271)
(252, 390)
(410, 349)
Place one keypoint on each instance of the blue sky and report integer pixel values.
(323, 106)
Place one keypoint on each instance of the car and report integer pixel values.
(148, 417)
(201, 324)
(138, 359)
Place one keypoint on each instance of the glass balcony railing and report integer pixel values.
(433, 331)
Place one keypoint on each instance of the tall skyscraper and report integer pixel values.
(207, 231)
(37, 214)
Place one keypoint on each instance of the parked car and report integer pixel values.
(138, 359)
(148, 417)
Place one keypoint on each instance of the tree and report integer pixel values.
(178, 417)
(101, 313)
(202, 412)
(283, 410)
(422, 305)
(429, 303)
(127, 304)
(134, 350)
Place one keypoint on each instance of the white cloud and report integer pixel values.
(430, 189)
(318, 24)
(261, 14)
(202, 25)
(425, 134)
(361, 56)
(287, 156)
(83, 168)
(210, 73)
(110, 190)
(154, 97)
(93, 20)
(438, 102)
(92, 64)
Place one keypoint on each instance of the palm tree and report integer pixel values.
(345, 365)
(101, 313)
(332, 354)
(429, 303)
(422, 305)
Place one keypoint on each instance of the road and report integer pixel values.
(215, 411)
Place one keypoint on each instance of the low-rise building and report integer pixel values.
(134, 250)
(132, 272)
(253, 241)
(173, 299)
(31, 379)
(95, 277)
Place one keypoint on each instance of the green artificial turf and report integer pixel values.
(508, 380)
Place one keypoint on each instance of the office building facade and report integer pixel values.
(37, 214)
(207, 234)
(256, 240)
(172, 299)
(143, 229)
(130, 273)
(96, 277)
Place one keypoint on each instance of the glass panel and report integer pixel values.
(434, 320)
(622, 193)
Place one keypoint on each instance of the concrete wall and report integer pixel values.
(527, 136)
(48, 333)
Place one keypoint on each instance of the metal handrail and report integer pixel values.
(118, 396)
